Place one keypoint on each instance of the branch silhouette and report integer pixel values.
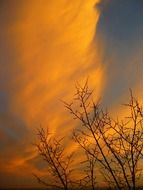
(117, 146)
(113, 148)
(59, 165)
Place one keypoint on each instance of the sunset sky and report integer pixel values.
(46, 46)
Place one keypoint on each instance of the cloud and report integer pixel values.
(46, 47)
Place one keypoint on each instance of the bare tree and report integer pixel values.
(126, 144)
(91, 118)
(59, 166)
(117, 146)
(113, 147)
(89, 179)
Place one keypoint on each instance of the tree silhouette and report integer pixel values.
(59, 165)
(117, 146)
(112, 147)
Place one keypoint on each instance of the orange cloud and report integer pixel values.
(52, 43)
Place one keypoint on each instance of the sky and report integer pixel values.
(45, 48)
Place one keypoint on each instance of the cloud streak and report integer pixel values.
(48, 46)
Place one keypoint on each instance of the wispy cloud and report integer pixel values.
(48, 46)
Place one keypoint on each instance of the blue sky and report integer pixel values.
(121, 26)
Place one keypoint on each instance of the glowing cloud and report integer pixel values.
(52, 47)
